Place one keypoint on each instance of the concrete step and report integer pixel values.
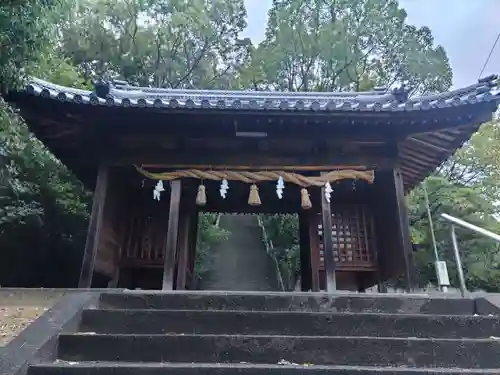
(116, 368)
(288, 323)
(345, 351)
(275, 301)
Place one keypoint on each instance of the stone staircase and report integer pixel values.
(277, 333)
(240, 263)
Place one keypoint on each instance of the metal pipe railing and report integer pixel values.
(464, 224)
(472, 227)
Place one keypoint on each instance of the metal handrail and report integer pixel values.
(470, 226)
(464, 224)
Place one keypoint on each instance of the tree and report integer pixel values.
(465, 186)
(283, 232)
(26, 29)
(478, 162)
(329, 45)
(160, 43)
(43, 208)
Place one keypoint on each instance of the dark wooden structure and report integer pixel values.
(359, 239)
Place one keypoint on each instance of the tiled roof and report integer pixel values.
(122, 94)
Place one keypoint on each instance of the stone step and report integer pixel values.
(116, 368)
(288, 323)
(352, 351)
(240, 262)
(276, 301)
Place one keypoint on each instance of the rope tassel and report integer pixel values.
(201, 197)
(253, 197)
(305, 200)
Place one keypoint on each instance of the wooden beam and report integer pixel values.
(302, 168)
(172, 234)
(430, 145)
(172, 137)
(463, 122)
(94, 230)
(328, 255)
(404, 231)
(380, 159)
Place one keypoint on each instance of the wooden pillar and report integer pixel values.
(188, 211)
(94, 231)
(172, 234)
(404, 231)
(326, 213)
(182, 252)
(381, 288)
(193, 243)
(113, 283)
(305, 252)
(314, 249)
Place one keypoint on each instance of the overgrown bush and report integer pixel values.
(209, 234)
(283, 232)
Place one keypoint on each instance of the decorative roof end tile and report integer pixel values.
(488, 79)
(401, 94)
(102, 88)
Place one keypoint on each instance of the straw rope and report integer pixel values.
(257, 176)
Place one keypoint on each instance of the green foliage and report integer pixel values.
(26, 29)
(55, 68)
(174, 43)
(479, 162)
(464, 188)
(42, 206)
(328, 45)
(282, 231)
(209, 234)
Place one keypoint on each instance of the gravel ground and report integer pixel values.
(19, 307)
(13, 319)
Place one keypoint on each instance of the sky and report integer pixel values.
(466, 29)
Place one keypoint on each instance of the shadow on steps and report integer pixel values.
(241, 262)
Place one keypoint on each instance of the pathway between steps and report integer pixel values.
(241, 262)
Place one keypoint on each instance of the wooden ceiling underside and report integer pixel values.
(422, 154)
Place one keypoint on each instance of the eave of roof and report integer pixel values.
(420, 153)
(396, 100)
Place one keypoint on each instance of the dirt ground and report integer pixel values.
(18, 308)
(14, 319)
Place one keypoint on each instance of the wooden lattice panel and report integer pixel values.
(353, 238)
(145, 233)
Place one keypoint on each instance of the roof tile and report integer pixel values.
(122, 94)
